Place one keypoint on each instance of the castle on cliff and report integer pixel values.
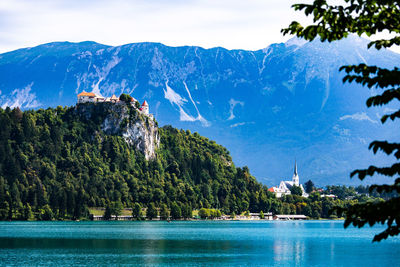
(86, 97)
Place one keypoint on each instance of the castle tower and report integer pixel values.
(295, 178)
(145, 108)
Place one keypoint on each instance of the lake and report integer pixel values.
(226, 243)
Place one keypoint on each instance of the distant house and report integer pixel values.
(277, 191)
(289, 217)
(285, 186)
(329, 195)
(256, 216)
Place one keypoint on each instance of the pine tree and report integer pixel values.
(137, 211)
(164, 212)
(151, 212)
(176, 212)
(107, 213)
(309, 186)
(262, 215)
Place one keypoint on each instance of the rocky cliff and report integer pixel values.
(138, 130)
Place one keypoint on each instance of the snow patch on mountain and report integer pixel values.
(157, 62)
(233, 103)
(203, 121)
(83, 54)
(362, 58)
(164, 69)
(360, 116)
(267, 51)
(22, 98)
(299, 42)
(175, 98)
(341, 131)
(102, 73)
(326, 92)
(241, 124)
(275, 109)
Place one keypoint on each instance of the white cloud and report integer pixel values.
(233, 24)
(360, 116)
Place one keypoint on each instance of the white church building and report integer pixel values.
(285, 186)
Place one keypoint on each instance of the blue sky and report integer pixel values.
(250, 24)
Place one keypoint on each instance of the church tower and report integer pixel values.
(295, 178)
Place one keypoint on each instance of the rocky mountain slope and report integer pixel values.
(267, 107)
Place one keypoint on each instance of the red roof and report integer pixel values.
(86, 94)
(271, 189)
(145, 103)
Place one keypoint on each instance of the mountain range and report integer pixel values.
(269, 107)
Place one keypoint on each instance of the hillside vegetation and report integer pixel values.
(58, 163)
(55, 163)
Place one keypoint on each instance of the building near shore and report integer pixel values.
(285, 186)
(284, 217)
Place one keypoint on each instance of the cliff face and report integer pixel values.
(138, 130)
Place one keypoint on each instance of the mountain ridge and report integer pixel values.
(280, 102)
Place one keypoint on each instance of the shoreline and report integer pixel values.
(187, 220)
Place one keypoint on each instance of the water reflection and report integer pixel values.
(186, 243)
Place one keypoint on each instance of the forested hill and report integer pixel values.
(61, 161)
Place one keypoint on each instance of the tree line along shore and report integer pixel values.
(55, 164)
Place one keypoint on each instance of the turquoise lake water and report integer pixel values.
(290, 243)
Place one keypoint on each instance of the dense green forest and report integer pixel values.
(57, 163)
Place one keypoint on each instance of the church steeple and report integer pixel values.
(295, 178)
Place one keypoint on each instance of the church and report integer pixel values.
(285, 186)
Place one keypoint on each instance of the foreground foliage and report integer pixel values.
(334, 22)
